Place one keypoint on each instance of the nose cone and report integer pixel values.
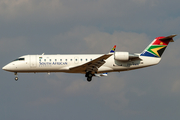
(5, 68)
(8, 67)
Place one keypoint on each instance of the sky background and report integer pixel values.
(89, 26)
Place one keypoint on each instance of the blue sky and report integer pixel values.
(83, 26)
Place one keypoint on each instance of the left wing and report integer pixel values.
(91, 65)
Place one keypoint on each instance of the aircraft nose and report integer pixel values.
(8, 67)
(5, 68)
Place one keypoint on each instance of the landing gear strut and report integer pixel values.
(89, 76)
(16, 78)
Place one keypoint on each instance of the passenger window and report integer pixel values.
(49, 59)
(76, 59)
(55, 59)
(66, 59)
(71, 59)
(91, 59)
(60, 59)
(45, 60)
(86, 59)
(81, 59)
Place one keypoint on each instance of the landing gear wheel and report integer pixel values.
(16, 78)
(89, 76)
(89, 79)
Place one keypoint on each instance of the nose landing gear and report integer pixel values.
(16, 78)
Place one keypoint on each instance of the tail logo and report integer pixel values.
(156, 48)
(113, 49)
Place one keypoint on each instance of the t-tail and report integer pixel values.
(157, 47)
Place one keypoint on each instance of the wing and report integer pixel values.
(92, 65)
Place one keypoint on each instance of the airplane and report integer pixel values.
(91, 64)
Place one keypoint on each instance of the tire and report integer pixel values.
(90, 75)
(16, 78)
(89, 79)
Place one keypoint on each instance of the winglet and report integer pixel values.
(113, 49)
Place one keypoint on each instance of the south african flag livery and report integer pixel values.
(113, 49)
(156, 48)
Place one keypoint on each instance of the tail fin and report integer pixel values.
(157, 47)
(113, 49)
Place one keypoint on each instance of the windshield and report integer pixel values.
(19, 59)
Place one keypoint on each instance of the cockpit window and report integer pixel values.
(19, 59)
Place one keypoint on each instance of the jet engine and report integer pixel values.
(121, 56)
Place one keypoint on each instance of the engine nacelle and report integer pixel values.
(121, 56)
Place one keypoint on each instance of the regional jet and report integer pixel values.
(91, 64)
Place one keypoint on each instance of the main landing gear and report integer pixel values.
(89, 76)
(16, 78)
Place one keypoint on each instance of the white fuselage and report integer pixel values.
(63, 63)
(91, 64)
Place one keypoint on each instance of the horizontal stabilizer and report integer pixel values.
(168, 38)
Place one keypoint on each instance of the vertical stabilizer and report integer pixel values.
(157, 47)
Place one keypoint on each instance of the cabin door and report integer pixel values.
(33, 61)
